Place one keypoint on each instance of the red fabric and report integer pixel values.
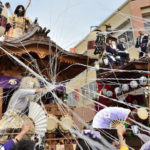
(138, 98)
(103, 100)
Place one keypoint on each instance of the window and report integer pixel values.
(128, 35)
(89, 90)
(146, 21)
(125, 30)
(91, 45)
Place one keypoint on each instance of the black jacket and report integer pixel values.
(142, 41)
(121, 47)
(110, 50)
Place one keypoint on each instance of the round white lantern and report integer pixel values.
(133, 84)
(125, 87)
(118, 90)
(109, 93)
(143, 80)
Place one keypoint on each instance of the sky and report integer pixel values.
(68, 20)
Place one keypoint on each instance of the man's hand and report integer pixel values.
(121, 129)
(40, 90)
(25, 128)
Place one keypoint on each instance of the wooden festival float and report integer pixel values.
(36, 50)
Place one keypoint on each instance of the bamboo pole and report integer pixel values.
(1, 102)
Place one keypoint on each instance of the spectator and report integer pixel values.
(148, 49)
(123, 53)
(142, 42)
(17, 143)
(110, 52)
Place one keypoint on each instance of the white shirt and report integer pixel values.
(20, 99)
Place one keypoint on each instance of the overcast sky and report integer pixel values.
(68, 20)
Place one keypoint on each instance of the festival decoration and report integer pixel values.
(109, 93)
(142, 113)
(12, 82)
(37, 114)
(92, 134)
(125, 87)
(143, 80)
(133, 84)
(110, 117)
(118, 90)
(99, 44)
(52, 123)
(67, 123)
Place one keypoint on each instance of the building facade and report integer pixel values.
(132, 16)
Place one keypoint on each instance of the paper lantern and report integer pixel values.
(125, 87)
(3, 20)
(109, 93)
(143, 80)
(133, 84)
(118, 90)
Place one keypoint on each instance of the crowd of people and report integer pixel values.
(120, 55)
(18, 143)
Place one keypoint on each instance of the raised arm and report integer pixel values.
(25, 129)
(120, 131)
(42, 90)
(26, 92)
